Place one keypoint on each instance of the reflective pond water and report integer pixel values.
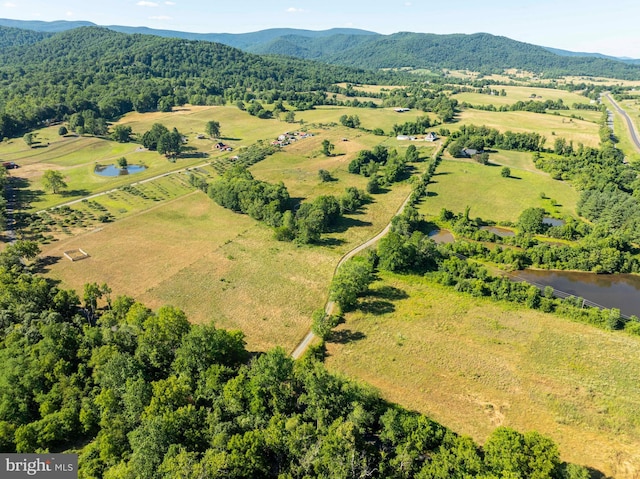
(113, 170)
(496, 230)
(620, 291)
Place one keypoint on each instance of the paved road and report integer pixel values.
(328, 309)
(630, 126)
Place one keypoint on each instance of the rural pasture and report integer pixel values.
(166, 243)
(548, 125)
(520, 93)
(475, 364)
(460, 183)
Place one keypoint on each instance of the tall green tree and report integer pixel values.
(53, 180)
(213, 129)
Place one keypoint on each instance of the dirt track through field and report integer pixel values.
(330, 305)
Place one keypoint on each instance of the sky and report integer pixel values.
(577, 25)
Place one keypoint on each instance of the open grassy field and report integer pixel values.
(521, 93)
(474, 364)
(458, 183)
(213, 263)
(76, 158)
(547, 125)
(370, 118)
(170, 246)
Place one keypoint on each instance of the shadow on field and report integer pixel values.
(390, 293)
(74, 193)
(345, 336)
(43, 263)
(377, 307)
(345, 223)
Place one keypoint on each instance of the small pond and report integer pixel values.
(496, 230)
(113, 170)
(441, 236)
(547, 220)
(620, 291)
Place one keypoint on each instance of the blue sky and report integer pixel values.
(578, 25)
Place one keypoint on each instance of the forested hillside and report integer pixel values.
(112, 73)
(480, 52)
(13, 37)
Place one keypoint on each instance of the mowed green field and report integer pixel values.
(548, 125)
(461, 183)
(521, 93)
(474, 364)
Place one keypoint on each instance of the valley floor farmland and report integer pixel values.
(474, 364)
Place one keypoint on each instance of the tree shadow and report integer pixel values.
(43, 263)
(195, 154)
(73, 193)
(344, 223)
(390, 293)
(229, 138)
(431, 194)
(377, 307)
(345, 336)
(331, 242)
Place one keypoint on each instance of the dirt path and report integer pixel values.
(630, 126)
(330, 305)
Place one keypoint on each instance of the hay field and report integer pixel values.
(212, 263)
(474, 364)
(547, 125)
(458, 183)
(521, 93)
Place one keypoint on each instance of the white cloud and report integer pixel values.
(160, 17)
(147, 4)
(408, 4)
(69, 14)
(294, 10)
(169, 3)
(9, 5)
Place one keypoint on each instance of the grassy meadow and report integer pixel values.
(214, 264)
(520, 93)
(547, 125)
(169, 244)
(474, 364)
(460, 183)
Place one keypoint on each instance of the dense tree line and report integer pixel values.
(481, 137)
(239, 191)
(533, 106)
(417, 127)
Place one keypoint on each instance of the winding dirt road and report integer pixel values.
(328, 309)
(630, 126)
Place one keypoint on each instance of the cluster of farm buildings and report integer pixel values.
(290, 137)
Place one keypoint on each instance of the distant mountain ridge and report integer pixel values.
(480, 52)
